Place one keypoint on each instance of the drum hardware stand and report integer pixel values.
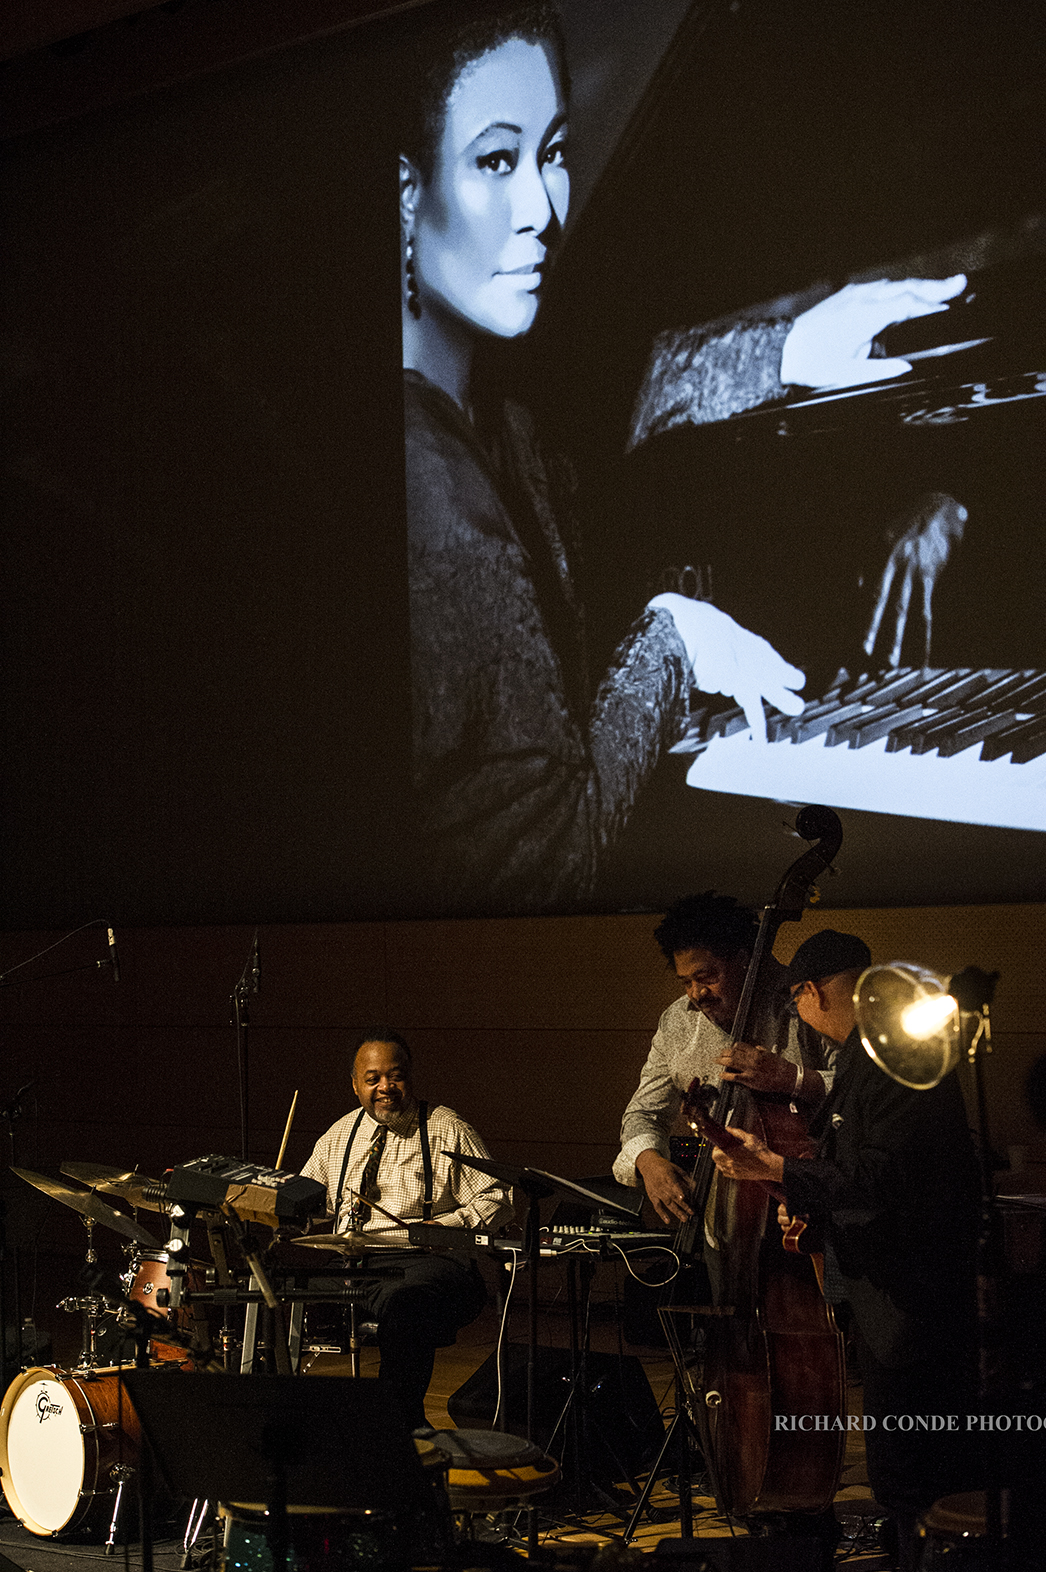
(122, 1473)
(192, 1532)
(142, 1333)
(686, 1430)
(273, 1335)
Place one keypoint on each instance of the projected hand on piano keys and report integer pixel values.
(829, 346)
(961, 744)
(726, 658)
(922, 542)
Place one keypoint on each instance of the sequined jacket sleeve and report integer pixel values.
(522, 779)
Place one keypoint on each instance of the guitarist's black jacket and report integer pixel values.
(895, 1189)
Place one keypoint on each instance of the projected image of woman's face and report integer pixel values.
(490, 217)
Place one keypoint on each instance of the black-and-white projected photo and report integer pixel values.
(670, 536)
(710, 482)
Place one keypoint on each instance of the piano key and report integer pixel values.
(938, 686)
(1029, 748)
(809, 725)
(975, 729)
(778, 725)
(924, 736)
(893, 689)
(962, 789)
(1031, 694)
(1023, 742)
(727, 723)
(874, 724)
(966, 685)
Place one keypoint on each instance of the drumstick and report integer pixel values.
(390, 1215)
(287, 1131)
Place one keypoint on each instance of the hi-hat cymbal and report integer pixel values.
(348, 1244)
(116, 1181)
(90, 1206)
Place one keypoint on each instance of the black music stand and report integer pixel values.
(536, 1185)
(282, 1441)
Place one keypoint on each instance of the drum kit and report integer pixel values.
(71, 1440)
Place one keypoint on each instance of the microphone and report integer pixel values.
(255, 966)
(13, 1109)
(114, 959)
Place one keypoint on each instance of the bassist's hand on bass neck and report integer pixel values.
(769, 1073)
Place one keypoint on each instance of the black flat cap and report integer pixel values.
(825, 954)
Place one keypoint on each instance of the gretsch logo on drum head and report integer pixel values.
(45, 1409)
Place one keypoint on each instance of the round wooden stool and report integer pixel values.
(489, 1471)
(952, 1535)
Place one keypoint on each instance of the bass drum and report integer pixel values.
(63, 1440)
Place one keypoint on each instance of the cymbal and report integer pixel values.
(116, 1181)
(90, 1206)
(349, 1244)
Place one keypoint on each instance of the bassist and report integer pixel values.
(707, 941)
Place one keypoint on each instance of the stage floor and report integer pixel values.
(26, 1552)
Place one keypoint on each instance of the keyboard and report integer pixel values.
(632, 1239)
(556, 1241)
(257, 1195)
(959, 744)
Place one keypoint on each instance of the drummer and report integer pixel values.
(391, 1151)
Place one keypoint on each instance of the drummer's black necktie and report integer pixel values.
(369, 1188)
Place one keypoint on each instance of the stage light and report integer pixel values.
(909, 1023)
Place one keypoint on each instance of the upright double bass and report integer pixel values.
(769, 1395)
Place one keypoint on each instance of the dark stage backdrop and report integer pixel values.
(208, 625)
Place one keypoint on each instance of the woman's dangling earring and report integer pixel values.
(413, 298)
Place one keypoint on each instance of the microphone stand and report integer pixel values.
(247, 984)
(973, 991)
(11, 1111)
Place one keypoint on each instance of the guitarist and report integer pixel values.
(707, 941)
(894, 1188)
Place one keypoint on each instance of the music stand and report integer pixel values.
(536, 1185)
(281, 1440)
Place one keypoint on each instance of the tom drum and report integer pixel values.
(149, 1284)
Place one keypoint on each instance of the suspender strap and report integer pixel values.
(426, 1161)
(345, 1165)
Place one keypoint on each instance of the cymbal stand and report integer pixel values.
(91, 1307)
(274, 1336)
(227, 1340)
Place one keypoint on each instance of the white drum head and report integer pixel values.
(41, 1451)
